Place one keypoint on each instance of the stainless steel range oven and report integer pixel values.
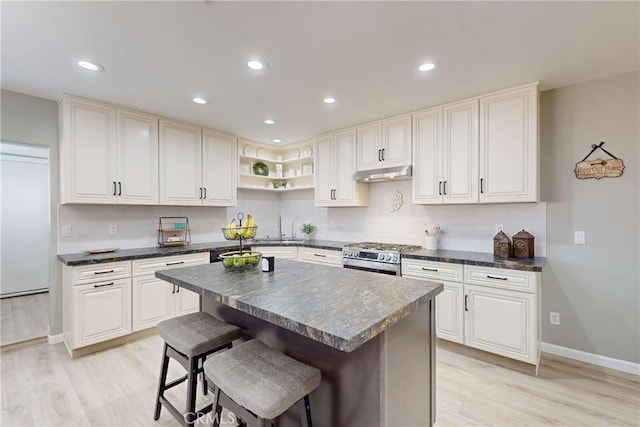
(377, 257)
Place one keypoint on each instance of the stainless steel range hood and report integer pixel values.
(384, 174)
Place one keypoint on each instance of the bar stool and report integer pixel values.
(189, 339)
(255, 382)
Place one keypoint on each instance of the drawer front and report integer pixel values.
(432, 270)
(320, 256)
(283, 252)
(151, 265)
(524, 281)
(101, 272)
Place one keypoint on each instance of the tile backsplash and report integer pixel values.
(465, 227)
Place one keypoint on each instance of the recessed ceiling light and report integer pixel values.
(255, 65)
(200, 101)
(269, 122)
(91, 66)
(427, 66)
(329, 100)
(276, 140)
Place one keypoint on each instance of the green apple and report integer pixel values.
(238, 261)
(227, 262)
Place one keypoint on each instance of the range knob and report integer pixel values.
(380, 257)
(395, 258)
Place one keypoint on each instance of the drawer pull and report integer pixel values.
(175, 263)
(103, 272)
(496, 277)
(320, 255)
(103, 285)
(429, 269)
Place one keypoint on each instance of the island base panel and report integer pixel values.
(384, 382)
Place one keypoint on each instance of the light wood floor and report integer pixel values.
(41, 385)
(23, 318)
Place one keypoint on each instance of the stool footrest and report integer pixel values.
(175, 383)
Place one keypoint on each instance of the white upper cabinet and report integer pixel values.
(87, 151)
(446, 154)
(335, 164)
(509, 146)
(460, 152)
(384, 144)
(219, 169)
(137, 151)
(196, 167)
(107, 154)
(180, 164)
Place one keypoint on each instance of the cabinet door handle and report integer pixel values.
(103, 285)
(200, 193)
(177, 289)
(466, 303)
(379, 155)
(114, 188)
(175, 263)
(445, 188)
(103, 272)
(429, 269)
(320, 255)
(119, 188)
(496, 277)
(440, 188)
(205, 193)
(173, 288)
(383, 154)
(481, 186)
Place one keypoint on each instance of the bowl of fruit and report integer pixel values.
(240, 261)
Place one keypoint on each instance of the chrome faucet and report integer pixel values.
(280, 233)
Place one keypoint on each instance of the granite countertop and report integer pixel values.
(477, 258)
(342, 308)
(457, 257)
(156, 251)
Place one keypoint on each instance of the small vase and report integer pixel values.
(306, 236)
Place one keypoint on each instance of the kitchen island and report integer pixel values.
(371, 335)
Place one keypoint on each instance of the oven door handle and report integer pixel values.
(372, 266)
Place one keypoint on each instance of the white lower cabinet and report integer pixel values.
(282, 252)
(320, 256)
(491, 309)
(96, 303)
(155, 300)
(501, 322)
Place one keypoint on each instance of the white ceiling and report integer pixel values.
(158, 55)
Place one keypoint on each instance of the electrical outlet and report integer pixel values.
(113, 229)
(332, 225)
(554, 318)
(499, 228)
(579, 237)
(66, 231)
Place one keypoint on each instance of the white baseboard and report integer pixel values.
(55, 339)
(595, 359)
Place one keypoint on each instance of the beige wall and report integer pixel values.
(30, 120)
(595, 287)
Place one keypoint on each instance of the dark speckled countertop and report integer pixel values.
(458, 257)
(338, 307)
(477, 258)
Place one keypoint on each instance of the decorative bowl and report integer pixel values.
(236, 261)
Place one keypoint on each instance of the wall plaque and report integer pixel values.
(609, 168)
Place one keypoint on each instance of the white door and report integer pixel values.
(88, 152)
(152, 302)
(427, 158)
(501, 322)
(24, 218)
(509, 146)
(450, 313)
(396, 137)
(137, 150)
(369, 149)
(185, 302)
(180, 164)
(345, 187)
(102, 311)
(219, 169)
(460, 141)
(324, 166)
